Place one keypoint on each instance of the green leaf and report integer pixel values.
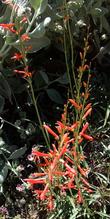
(35, 3)
(42, 7)
(18, 153)
(107, 116)
(103, 215)
(39, 5)
(40, 80)
(39, 31)
(5, 90)
(105, 24)
(55, 96)
(63, 79)
(2, 102)
(3, 174)
(36, 44)
(44, 76)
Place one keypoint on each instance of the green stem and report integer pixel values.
(31, 23)
(37, 111)
(67, 65)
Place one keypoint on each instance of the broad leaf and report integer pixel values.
(39, 31)
(18, 153)
(36, 44)
(55, 96)
(35, 3)
(39, 5)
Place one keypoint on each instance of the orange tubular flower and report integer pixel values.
(73, 102)
(51, 131)
(83, 68)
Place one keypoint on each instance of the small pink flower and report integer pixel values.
(30, 157)
(20, 188)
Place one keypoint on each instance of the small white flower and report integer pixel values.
(81, 23)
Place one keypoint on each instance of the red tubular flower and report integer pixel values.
(60, 126)
(73, 102)
(39, 154)
(8, 27)
(87, 137)
(17, 56)
(65, 139)
(26, 74)
(63, 150)
(51, 131)
(80, 140)
(87, 106)
(24, 20)
(54, 148)
(85, 127)
(34, 181)
(25, 37)
(87, 113)
(53, 164)
(43, 194)
(72, 170)
(88, 190)
(50, 203)
(79, 197)
(72, 127)
(38, 174)
(84, 172)
(85, 182)
(69, 159)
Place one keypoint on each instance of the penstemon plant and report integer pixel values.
(64, 168)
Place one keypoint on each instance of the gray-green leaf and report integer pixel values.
(18, 153)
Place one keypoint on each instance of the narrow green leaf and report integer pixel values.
(5, 90)
(2, 102)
